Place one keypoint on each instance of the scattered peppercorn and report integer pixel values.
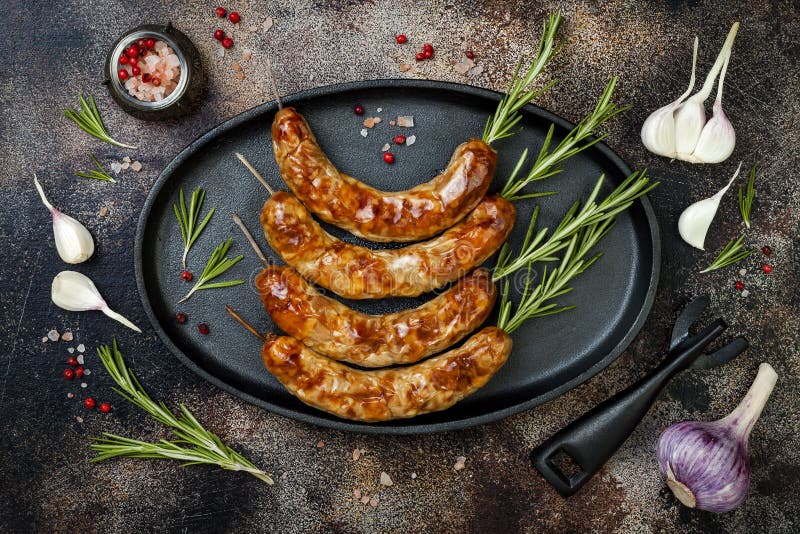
(739, 286)
(399, 139)
(136, 70)
(141, 43)
(234, 17)
(90, 403)
(401, 38)
(227, 42)
(79, 372)
(186, 276)
(133, 52)
(156, 81)
(358, 109)
(123, 59)
(767, 268)
(421, 56)
(766, 250)
(105, 407)
(150, 43)
(69, 374)
(146, 77)
(388, 157)
(219, 35)
(72, 361)
(221, 12)
(426, 47)
(123, 74)
(470, 54)
(428, 54)
(203, 329)
(180, 318)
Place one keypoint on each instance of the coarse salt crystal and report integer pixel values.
(320, 444)
(66, 336)
(116, 167)
(172, 60)
(363, 132)
(126, 165)
(392, 123)
(136, 166)
(356, 454)
(365, 499)
(745, 293)
(413, 475)
(247, 55)
(84, 384)
(87, 372)
(374, 501)
(80, 359)
(369, 122)
(460, 463)
(71, 350)
(405, 67)
(379, 110)
(52, 335)
(70, 395)
(476, 70)
(742, 272)
(406, 121)
(44, 339)
(267, 24)
(411, 139)
(126, 159)
(79, 419)
(386, 480)
(385, 147)
(463, 66)
(81, 348)
(357, 494)
(377, 120)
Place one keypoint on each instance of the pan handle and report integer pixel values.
(593, 438)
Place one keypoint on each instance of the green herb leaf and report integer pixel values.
(187, 219)
(98, 173)
(195, 444)
(731, 254)
(540, 247)
(88, 119)
(579, 139)
(501, 123)
(746, 197)
(217, 264)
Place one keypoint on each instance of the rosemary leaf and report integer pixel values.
(88, 119)
(98, 173)
(540, 247)
(731, 254)
(501, 123)
(579, 139)
(187, 219)
(217, 264)
(746, 197)
(194, 444)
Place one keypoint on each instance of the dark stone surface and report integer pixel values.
(51, 53)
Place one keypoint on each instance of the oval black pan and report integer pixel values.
(551, 354)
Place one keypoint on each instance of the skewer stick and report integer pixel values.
(255, 172)
(250, 239)
(272, 82)
(245, 323)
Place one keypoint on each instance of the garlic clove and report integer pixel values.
(658, 130)
(690, 118)
(73, 241)
(695, 220)
(718, 138)
(73, 291)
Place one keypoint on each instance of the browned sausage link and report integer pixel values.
(371, 396)
(339, 199)
(339, 332)
(359, 273)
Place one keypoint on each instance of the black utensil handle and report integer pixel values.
(594, 437)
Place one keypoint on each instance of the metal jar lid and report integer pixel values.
(191, 84)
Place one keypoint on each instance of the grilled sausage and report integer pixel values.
(359, 273)
(339, 332)
(339, 199)
(371, 396)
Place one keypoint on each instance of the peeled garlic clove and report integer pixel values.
(696, 219)
(718, 138)
(658, 130)
(74, 291)
(690, 118)
(74, 243)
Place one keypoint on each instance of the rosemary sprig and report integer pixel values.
(746, 197)
(732, 253)
(535, 301)
(579, 139)
(187, 219)
(539, 247)
(217, 264)
(194, 444)
(98, 173)
(500, 124)
(88, 119)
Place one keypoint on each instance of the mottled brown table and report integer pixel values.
(52, 52)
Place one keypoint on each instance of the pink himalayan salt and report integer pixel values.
(161, 62)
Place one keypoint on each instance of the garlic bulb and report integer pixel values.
(696, 219)
(74, 243)
(680, 130)
(705, 463)
(74, 291)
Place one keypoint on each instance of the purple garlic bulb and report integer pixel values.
(706, 463)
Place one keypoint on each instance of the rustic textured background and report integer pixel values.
(53, 52)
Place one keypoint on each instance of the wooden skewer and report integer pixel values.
(255, 172)
(272, 82)
(250, 239)
(245, 323)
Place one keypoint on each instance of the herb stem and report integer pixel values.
(88, 119)
(187, 219)
(217, 264)
(729, 255)
(98, 173)
(747, 196)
